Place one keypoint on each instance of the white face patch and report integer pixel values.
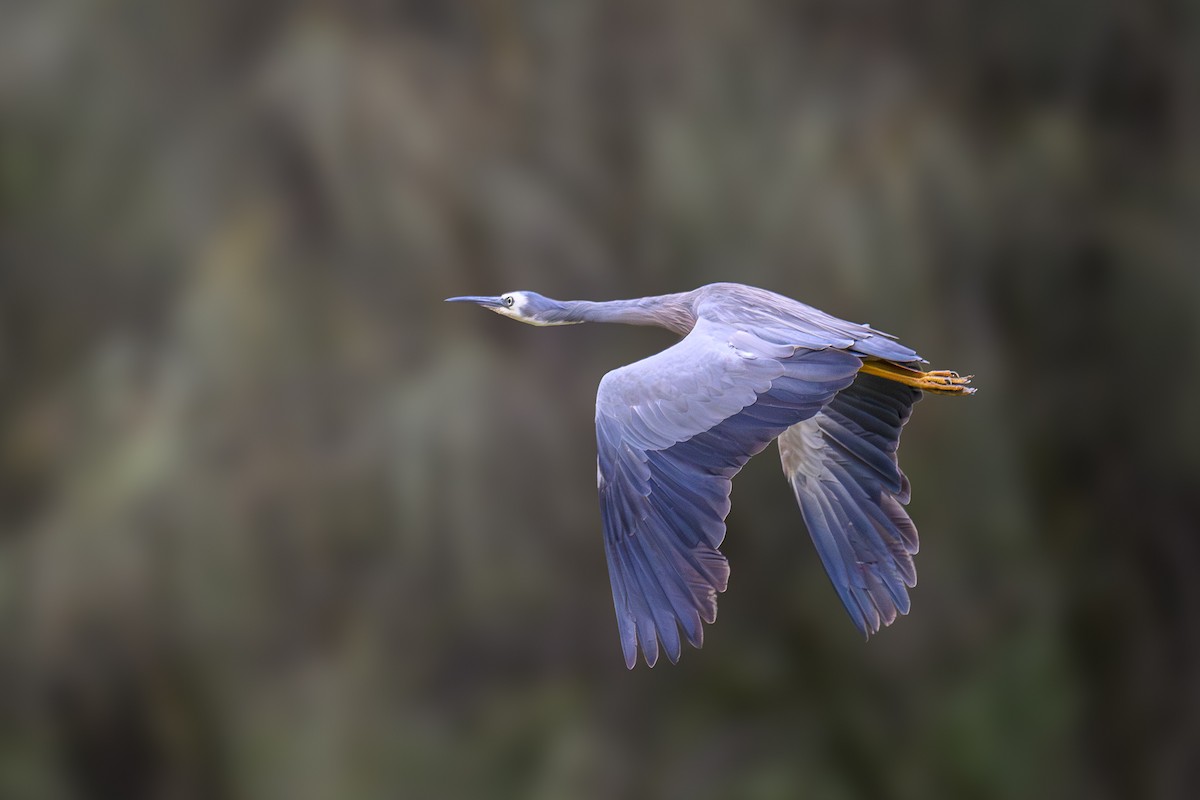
(520, 301)
(516, 310)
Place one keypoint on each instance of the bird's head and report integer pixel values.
(528, 307)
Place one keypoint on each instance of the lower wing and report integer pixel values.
(842, 466)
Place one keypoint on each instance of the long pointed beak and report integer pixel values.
(486, 302)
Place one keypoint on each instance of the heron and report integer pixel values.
(673, 429)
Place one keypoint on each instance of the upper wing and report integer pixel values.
(672, 430)
(775, 317)
(842, 466)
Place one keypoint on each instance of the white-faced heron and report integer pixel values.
(673, 429)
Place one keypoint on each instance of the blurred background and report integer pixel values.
(275, 522)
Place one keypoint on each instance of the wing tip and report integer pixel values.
(871, 627)
(650, 650)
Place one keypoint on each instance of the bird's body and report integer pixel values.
(673, 429)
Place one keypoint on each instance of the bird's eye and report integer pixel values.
(508, 301)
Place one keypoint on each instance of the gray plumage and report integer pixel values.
(673, 429)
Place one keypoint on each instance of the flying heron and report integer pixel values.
(673, 429)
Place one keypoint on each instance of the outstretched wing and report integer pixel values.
(672, 430)
(842, 466)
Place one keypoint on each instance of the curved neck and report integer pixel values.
(671, 311)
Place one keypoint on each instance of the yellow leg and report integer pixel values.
(939, 381)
